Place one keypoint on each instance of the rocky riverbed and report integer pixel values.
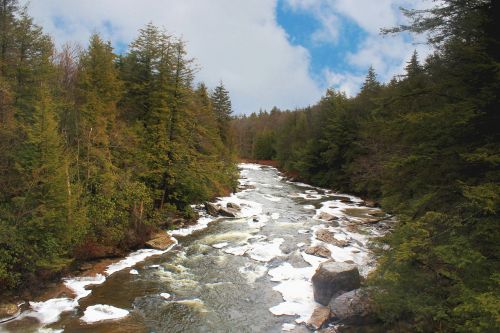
(277, 256)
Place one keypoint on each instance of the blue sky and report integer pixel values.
(282, 53)
(300, 27)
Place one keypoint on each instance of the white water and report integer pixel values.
(277, 222)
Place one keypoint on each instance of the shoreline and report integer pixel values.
(95, 271)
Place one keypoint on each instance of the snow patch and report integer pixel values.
(202, 223)
(266, 251)
(165, 295)
(78, 284)
(249, 166)
(134, 258)
(49, 312)
(252, 272)
(271, 197)
(100, 312)
(220, 245)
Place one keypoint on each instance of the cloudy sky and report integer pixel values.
(282, 53)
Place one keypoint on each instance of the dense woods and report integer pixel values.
(426, 147)
(98, 149)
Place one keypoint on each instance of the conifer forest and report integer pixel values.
(100, 150)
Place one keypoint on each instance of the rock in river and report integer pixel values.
(216, 210)
(327, 217)
(160, 241)
(228, 212)
(329, 237)
(212, 209)
(332, 278)
(8, 311)
(319, 251)
(353, 308)
(232, 205)
(319, 317)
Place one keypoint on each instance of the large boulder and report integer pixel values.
(353, 308)
(234, 206)
(327, 217)
(319, 317)
(9, 311)
(332, 278)
(329, 237)
(228, 212)
(319, 251)
(160, 241)
(232, 209)
(212, 209)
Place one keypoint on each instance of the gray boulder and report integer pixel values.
(332, 278)
(319, 317)
(234, 206)
(160, 241)
(319, 251)
(328, 217)
(329, 237)
(212, 209)
(353, 308)
(228, 212)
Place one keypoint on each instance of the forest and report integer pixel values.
(426, 147)
(99, 149)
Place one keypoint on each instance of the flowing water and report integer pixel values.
(245, 274)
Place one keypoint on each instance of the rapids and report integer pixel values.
(245, 274)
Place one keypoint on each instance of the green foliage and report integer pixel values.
(426, 147)
(264, 146)
(98, 150)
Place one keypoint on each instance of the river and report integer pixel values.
(244, 274)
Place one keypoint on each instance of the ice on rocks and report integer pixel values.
(287, 327)
(79, 284)
(271, 197)
(50, 311)
(252, 271)
(249, 166)
(264, 252)
(100, 312)
(165, 295)
(202, 223)
(220, 245)
(133, 259)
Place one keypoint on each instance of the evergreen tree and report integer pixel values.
(223, 109)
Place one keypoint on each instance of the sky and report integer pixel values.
(282, 53)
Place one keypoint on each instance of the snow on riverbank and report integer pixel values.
(49, 311)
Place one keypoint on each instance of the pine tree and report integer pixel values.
(413, 67)
(371, 84)
(223, 109)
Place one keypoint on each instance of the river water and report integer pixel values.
(245, 274)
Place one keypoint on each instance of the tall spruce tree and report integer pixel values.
(223, 109)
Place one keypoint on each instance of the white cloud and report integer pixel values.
(387, 54)
(346, 82)
(241, 43)
(238, 42)
(369, 14)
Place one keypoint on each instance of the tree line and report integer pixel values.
(426, 146)
(98, 149)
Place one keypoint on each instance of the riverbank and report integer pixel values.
(266, 253)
